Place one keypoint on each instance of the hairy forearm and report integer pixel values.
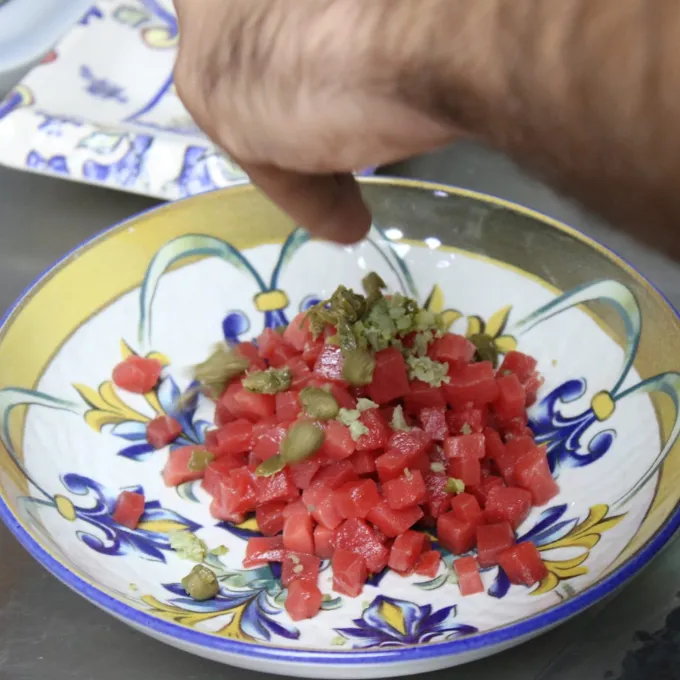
(584, 92)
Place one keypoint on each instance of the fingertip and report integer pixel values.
(328, 206)
(348, 219)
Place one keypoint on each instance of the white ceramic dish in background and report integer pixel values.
(177, 279)
(28, 29)
(101, 107)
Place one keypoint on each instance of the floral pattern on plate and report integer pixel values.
(580, 428)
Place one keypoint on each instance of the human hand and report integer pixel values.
(301, 93)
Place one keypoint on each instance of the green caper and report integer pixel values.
(270, 466)
(316, 321)
(454, 485)
(270, 381)
(358, 367)
(220, 367)
(318, 403)
(346, 337)
(346, 304)
(199, 460)
(373, 285)
(200, 583)
(486, 348)
(302, 440)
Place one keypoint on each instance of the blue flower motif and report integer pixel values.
(193, 429)
(92, 13)
(56, 164)
(563, 434)
(389, 622)
(204, 170)
(195, 177)
(550, 527)
(54, 125)
(234, 325)
(148, 540)
(309, 302)
(254, 602)
(124, 172)
(12, 101)
(101, 87)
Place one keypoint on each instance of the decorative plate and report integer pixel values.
(85, 116)
(174, 281)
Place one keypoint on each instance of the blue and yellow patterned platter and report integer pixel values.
(172, 282)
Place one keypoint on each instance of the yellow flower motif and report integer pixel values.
(185, 617)
(107, 408)
(160, 37)
(435, 303)
(493, 328)
(585, 535)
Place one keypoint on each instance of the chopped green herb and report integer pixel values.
(302, 440)
(318, 403)
(188, 546)
(365, 604)
(200, 583)
(133, 587)
(338, 641)
(269, 381)
(357, 429)
(326, 598)
(374, 322)
(454, 485)
(379, 328)
(220, 367)
(358, 367)
(270, 466)
(200, 460)
(421, 341)
(433, 373)
(348, 416)
(398, 420)
(466, 429)
(364, 404)
(219, 550)
(437, 467)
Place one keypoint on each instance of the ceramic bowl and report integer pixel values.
(172, 282)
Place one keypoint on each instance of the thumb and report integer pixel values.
(328, 206)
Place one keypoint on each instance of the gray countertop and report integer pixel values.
(48, 631)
